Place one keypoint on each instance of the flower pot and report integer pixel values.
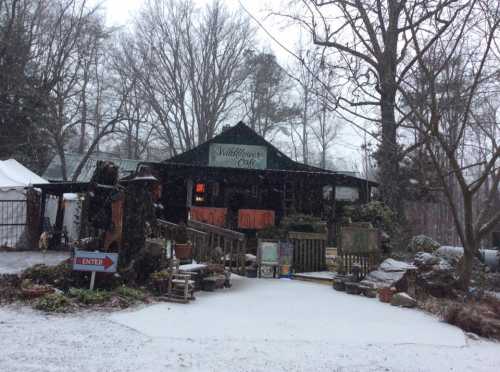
(160, 285)
(37, 291)
(385, 294)
(183, 251)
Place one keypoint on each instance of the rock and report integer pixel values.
(423, 243)
(403, 299)
(391, 265)
(435, 274)
(451, 254)
(390, 273)
(425, 261)
(472, 336)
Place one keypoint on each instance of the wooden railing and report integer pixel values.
(231, 243)
(206, 238)
(197, 238)
(309, 251)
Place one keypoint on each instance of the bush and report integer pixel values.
(132, 294)
(43, 274)
(88, 297)
(54, 303)
(422, 243)
(272, 232)
(60, 276)
(375, 212)
(303, 223)
(481, 317)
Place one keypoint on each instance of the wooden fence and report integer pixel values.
(366, 262)
(309, 251)
(359, 246)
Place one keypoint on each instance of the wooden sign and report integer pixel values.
(237, 156)
(212, 216)
(357, 239)
(256, 219)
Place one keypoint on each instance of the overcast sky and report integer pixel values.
(347, 146)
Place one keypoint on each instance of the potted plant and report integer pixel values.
(159, 281)
(30, 290)
(183, 247)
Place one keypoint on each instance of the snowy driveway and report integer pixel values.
(258, 325)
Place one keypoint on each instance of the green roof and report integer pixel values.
(54, 170)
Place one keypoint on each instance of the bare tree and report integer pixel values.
(450, 110)
(187, 63)
(371, 41)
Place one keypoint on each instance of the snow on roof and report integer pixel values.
(15, 175)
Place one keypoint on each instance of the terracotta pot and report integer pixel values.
(36, 291)
(385, 294)
(183, 251)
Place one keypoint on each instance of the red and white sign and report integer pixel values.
(95, 261)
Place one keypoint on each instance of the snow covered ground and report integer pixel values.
(257, 325)
(14, 262)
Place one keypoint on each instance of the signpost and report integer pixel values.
(95, 262)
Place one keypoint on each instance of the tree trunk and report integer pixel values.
(471, 243)
(388, 155)
(305, 149)
(466, 272)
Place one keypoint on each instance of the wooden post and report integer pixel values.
(42, 210)
(189, 193)
(56, 239)
(92, 281)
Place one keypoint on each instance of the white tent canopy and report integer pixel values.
(14, 178)
(14, 175)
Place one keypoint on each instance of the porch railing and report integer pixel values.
(206, 238)
(197, 238)
(231, 243)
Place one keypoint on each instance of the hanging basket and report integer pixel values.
(183, 251)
